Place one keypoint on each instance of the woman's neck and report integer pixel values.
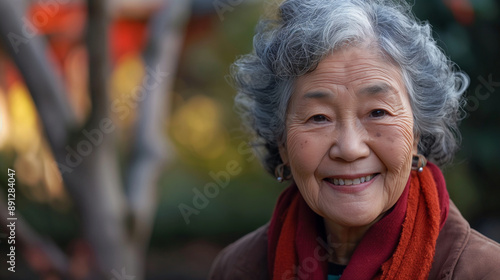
(344, 240)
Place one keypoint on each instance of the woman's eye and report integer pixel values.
(378, 113)
(318, 118)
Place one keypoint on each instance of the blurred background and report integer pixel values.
(130, 162)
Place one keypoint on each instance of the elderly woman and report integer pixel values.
(350, 99)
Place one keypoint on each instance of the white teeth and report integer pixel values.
(348, 182)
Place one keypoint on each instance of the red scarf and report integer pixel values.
(401, 245)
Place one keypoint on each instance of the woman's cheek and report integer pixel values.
(404, 131)
(303, 156)
(393, 142)
(396, 155)
(296, 138)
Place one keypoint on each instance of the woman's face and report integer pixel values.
(350, 137)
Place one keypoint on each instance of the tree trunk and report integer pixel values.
(117, 217)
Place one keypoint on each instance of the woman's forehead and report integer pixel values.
(353, 67)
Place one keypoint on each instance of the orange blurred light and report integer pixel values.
(462, 10)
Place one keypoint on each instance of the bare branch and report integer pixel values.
(151, 150)
(29, 52)
(97, 44)
(95, 183)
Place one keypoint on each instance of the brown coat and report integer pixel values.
(461, 253)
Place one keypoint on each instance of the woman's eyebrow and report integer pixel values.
(316, 95)
(376, 89)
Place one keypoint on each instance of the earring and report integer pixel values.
(418, 163)
(279, 172)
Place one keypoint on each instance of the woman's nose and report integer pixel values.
(350, 143)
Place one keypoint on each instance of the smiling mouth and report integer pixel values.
(348, 182)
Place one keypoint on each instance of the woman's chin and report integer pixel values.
(352, 211)
(354, 217)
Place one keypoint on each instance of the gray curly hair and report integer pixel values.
(305, 31)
